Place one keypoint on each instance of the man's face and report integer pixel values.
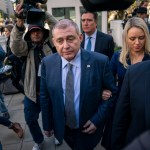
(67, 42)
(36, 35)
(89, 24)
(142, 15)
(145, 4)
(7, 32)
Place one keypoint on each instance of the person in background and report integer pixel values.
(16, 127)
(142, 13)
(100, 42)
(35, 45)
(143, 3)
(135, 48)
(2, 56)
(1, 26)
(70, 92)
(13, 61)
(3, 108)
(9, 21)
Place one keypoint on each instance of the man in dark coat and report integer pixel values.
(101, 42)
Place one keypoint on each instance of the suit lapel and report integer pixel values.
(98, 41)
(83, 41)
(147, 99)
(57, 78)
(85, 73)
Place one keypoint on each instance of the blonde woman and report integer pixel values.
(135, 49)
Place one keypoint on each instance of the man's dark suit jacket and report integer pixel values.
(104, 44)
(140, 143)
(132, 114)
(95, 76)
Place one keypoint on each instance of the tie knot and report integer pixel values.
(89, 44)
(69, 66)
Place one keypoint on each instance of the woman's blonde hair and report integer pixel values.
(138, 23)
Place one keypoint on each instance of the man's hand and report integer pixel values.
(49, 133)
(5, 60)
(19, 8)
(89, 127)
(19, 12)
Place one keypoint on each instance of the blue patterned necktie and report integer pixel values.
(69, 99)
(89, 44)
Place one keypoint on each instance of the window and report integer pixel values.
(64, 13)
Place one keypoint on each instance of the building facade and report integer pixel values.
(6, 8)
(71, 9)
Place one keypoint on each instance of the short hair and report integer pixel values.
(138, 23)
(9, 27)
(64, 23)
(94, 14)
(143, 1)
(141, 10)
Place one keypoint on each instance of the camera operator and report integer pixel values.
(34, 46)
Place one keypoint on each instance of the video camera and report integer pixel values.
(32, 13)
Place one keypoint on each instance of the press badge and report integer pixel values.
(39, 71)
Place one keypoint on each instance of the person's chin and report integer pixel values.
(37, 41)
(69, 57)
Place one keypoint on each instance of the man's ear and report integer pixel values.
(81, 37)
(53, 41)
(102, 5)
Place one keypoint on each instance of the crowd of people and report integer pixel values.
(86, 92)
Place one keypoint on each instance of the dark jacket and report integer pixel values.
(119, 70)
(95, 75)
(104, 44)
(132, 110)
(2, 56)
(140, 143)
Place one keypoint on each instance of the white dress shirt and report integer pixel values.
(93, 40)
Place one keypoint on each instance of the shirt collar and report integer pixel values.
(93, 35)
(75, 62)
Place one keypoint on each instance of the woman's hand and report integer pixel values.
(106, 94)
